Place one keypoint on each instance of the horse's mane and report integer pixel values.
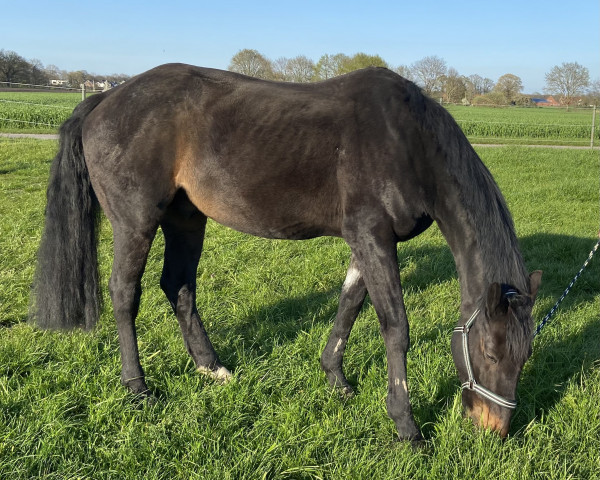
(482, 201)
(487, 212)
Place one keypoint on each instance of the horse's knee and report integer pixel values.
(185, 298)
(125, 295)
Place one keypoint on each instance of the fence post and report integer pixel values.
(593, 127)
(82, 92)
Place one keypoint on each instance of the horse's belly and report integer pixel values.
(276, 217)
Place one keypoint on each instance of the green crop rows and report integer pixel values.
(44, 112)
(549, 125)
(29, 110)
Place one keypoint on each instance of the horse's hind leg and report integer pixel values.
(351, 300)
(130, 253)
(184, 236)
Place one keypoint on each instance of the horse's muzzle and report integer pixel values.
(493, 417)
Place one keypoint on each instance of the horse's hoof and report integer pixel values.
(220, 374)
(346, 392)
(415, 439)
(143, 399)
(148, 399)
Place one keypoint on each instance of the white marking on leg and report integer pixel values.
(221, 374)
(352, 278)
(338, 345)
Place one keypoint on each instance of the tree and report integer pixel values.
(510, 86)
(491, 98)
(593, 94)
(299, 69)
(78, 78)
(405, 71)
(55, 73)
(453, 86)
(361, 60)
(13, 67)
(37, 73)
(487, 85)
(250, 62)
(568, 80)
(118, 77)
(428, 72)
(329, 66)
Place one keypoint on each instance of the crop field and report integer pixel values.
(44, 112)
(268, 307)
(549, 125)
(33, 111)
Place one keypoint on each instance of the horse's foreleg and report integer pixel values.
(377, 261)
(351, 299)
(183, 247)
(130, 254)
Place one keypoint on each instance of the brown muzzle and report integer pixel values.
(489, 417)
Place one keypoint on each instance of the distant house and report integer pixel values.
(100, 85)
(58, 83)
(545, 101)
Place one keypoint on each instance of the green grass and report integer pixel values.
(268, 307)
(35, 112)
(533, 126)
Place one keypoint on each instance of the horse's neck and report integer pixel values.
(473, 216)
(482, 255)
(468, 258)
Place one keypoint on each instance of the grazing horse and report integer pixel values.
(365, 156)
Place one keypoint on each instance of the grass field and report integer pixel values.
(529, 126)
(268, 306)
(35, 112)
(43, 112)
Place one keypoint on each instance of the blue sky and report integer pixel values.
(489, 38)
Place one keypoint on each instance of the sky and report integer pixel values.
(489, 38)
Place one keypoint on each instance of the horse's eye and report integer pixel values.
(489, 357)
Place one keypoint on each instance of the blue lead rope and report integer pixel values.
(562, 297)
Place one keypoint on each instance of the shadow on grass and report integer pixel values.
(273, 324)
(542, 385)
(566, 356)
(556, 363)
(544, 380)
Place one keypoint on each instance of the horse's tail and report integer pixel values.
(66, 288)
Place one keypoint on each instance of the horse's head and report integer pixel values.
(490, 350)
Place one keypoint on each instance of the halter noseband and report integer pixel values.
(471, 383)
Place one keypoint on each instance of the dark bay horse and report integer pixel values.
(365, 156)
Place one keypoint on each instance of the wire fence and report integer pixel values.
(26, 107)
(29, 86)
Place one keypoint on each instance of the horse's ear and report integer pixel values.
(535, 278)
(494, 296)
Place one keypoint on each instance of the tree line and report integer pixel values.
(569, 82)
(14, 69)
